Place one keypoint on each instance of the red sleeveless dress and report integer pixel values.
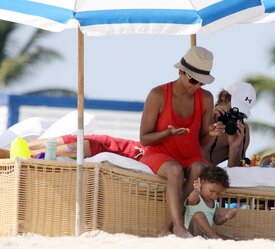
(184, 148)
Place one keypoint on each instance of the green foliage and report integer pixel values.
(265, 89)
(53, 92)
(273, 55)
(20, 59)
(262, 127)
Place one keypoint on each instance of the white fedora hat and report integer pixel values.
(197, 62)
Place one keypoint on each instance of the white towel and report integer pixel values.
(251, 176)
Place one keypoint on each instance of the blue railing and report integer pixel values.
(13, 103)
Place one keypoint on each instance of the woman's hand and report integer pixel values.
(216, 129)
(218, 111)
(236, 139)
(177, 131)
(266, 160)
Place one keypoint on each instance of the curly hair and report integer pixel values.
(223, 96)
(216, 175)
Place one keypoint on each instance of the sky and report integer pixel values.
(126, 67)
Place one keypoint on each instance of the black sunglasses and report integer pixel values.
(192, 80)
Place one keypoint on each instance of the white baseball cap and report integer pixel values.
(243, 96)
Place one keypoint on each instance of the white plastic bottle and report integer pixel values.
(50, 152)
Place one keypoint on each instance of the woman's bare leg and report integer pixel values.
(173, 172)
(192, 173)
(38, 146)
(71, 149)
(62, 149)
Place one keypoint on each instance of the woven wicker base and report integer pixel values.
(255, 218)
(38, 196)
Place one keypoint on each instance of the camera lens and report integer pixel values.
(231, 126)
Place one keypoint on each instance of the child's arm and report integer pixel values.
(194, 195)
(267, 159)
(220, 219)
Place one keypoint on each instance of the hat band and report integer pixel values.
(194, 69)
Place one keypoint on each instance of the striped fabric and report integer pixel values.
(269, 15)
(109, 17)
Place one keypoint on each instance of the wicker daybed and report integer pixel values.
(38, 196)
(255, 215)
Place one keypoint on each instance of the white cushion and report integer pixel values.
(29, 129)
(251, 176)
(68, 125)
(121, 161)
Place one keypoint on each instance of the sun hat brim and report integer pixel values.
(202, 78)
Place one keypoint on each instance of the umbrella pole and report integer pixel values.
(80, 134)
(193, 40)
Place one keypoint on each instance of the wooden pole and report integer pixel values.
(80, 134)
(193, 40)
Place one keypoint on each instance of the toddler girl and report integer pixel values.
(200, 206)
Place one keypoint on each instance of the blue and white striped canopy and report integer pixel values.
(269, 15)
(109, 17)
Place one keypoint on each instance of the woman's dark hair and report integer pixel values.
(216, 175)
(223, 96)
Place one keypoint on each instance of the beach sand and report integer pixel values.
(102, 240)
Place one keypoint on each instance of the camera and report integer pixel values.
(230, 118)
